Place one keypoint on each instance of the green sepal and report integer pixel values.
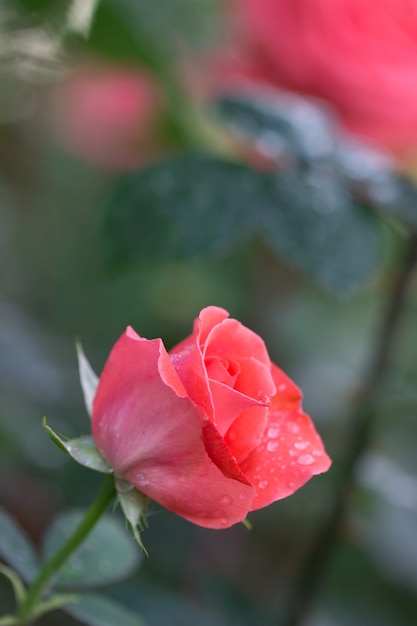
(82, 449)
(247, 524)
(88, 378)
(134, 505)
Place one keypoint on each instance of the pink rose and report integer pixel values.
(107, 116)
(211, 430)
(361, 55)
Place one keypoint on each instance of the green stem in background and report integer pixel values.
(51, 568)
(361, 423)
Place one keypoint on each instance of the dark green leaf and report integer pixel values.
(108, 554)
(313, 223)
(185, 207)
(16, 549)
(96, 610)
(401, 202)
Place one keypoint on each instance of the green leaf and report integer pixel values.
(88, 378)
(16, 549)
(15, 580)
(54, 603)
(280, 125)
(82, 449)
(312, 222)
(95, 610)
(401, 201)
(107, 555)
(182, 208)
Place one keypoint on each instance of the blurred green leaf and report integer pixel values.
(108, 554)
(45, 7)
(401, 203)
(183, 208)
(313, 223)
(115, 37)
(280, 125)
(195, 206)
(16, 549)
(96, 610)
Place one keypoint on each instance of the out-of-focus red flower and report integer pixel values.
(360, 55)
(107, 116)
(211, 430)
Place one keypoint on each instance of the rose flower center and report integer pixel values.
(222, 370)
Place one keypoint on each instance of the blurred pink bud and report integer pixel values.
(107, 116)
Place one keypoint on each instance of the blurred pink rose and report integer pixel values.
(211, 430)
(360, 55)
(107, 116)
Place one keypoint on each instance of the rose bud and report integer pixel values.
(211, 430)
(107, 116)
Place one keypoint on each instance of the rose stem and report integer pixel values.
(361, 424)
(51, 567)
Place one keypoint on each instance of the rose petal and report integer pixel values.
(233, 341)
(153, 437)
(228, 404)
(246, 432)
(220, 453)
(291, 452)
(288, 395)
(208, 319)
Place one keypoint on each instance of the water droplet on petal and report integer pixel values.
(226, 499)
(317, 452)
(224, 521)
(282, 387)
(305, 459)
(293, 428)
(141, 479)
(262, 484)
(272, 470)
(301, 445)
(272, 446)
(273, 432)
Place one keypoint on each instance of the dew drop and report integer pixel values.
(282, 387)
(318, 452)
(226, 499)
(224, 521)
(301, 445)
(273, 432)
(141, 479)
(292, 452)
(262, 484)
(272, 470)
(293, 428)
(272, 446)
(305, 459)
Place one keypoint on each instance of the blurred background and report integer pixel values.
(156, 158)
